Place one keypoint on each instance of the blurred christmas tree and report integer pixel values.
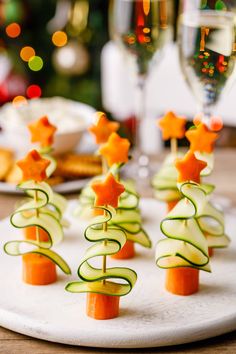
(52, 48)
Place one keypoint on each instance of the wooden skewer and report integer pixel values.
(104, 166)
(104, 261)
(37, 215)
(174, 146)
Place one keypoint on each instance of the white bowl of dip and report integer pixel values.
(70, 117)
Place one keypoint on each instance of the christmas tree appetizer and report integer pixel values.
(42, 132)
(164, 182)
(128, 216)
(202, 142)
(185, 251)
(102, 294)
(39, 261)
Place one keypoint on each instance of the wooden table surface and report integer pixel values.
(224, 177)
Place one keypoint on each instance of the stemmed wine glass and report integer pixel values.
(141, 28)
(206, 37)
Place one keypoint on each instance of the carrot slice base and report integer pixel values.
(102, 307)
(182, 281)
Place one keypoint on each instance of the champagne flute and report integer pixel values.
(141, 28)
(206, 37)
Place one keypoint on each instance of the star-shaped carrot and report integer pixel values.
(42, 131)
(33, 167)
(103, 128)
(189, 167)
(108, 191)
(115, 150)
(201, 138)
(172, 126)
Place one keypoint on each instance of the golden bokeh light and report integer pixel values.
(19, 101)
(59, 38)
(26, 53)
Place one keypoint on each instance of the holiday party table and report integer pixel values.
(224, 178)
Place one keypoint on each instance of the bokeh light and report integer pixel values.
(34, 91)
(19, 101)
(216, 123)
(35, 63)
(13, 30)
(26, 53)
(59, 38)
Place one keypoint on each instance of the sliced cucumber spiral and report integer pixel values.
(186, 245)
(44, 218)
(107, 242)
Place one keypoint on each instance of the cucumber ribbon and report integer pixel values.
(186, 245)
(108, 242)
(58, 202)
(191, 227)
(46, 218)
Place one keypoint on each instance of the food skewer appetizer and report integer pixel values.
(42, 132)
(185, 250)
(102, 294)
(128, 215)
(202, 141)
(164, 182)
(39, 261)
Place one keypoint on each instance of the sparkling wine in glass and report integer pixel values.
(206, 37)
(142, 28)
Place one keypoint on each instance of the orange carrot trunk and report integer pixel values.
(182, 281)
(38, 270)
(30, 234)
(126, 252)
(210, 251)
(102, 307)
(171, 205)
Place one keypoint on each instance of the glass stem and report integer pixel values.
(140, 116)
(140, 111)
(207, 113)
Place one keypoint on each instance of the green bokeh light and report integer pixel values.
(35, 63)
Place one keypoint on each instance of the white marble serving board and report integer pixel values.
(149, 316)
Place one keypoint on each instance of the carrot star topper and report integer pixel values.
(42, 131)
(108, 191)
(103, 294)
(39, 261)
(173, 128)
(189, 168)
(33, 167)
(103, 128)
(201, 139)
(115, 150)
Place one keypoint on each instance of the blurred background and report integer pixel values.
(62, 48)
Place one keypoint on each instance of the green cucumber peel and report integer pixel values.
(39, 214)
(186, 244)
(209, 159)
(13, 248)
(107, 242)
